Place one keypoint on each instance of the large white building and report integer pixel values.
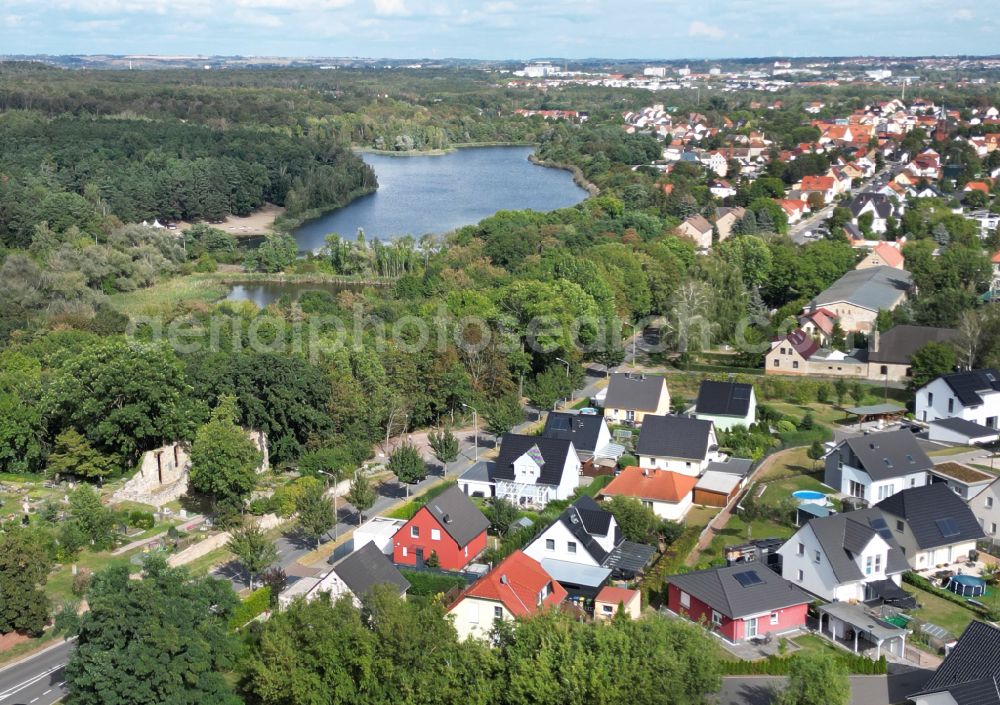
(973, 395)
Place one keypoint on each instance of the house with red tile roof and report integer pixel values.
(823, 185)
(517, 588)
(669, 494)
(611, 599)
(795, 209)
(818, 324)
(884, 254)
(980, 186)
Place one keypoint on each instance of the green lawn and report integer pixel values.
(738, 531)
(164, 296)
(939, 611)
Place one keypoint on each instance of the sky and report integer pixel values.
(499, 29)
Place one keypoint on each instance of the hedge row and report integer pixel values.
(256, 604)
(428, 584)
(986, 613)
(779, 665)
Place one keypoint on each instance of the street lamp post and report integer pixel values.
(567, 375)
(475, 427)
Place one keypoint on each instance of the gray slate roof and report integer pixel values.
(585, 519)
(926, 508)
(719, 589)
(582, 429)
(883, 206)
(674, 437)
(968, 385)
(890, 454)
(554, 453)
(873, 288)
(368, 567)
(897, 344)
(457, 515)
(972, 670)
(723, 398)
(964, 426)
(841, 535)
(638, 392)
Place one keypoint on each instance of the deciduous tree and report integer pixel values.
(253, 549)
(224, 460)
(24, 569)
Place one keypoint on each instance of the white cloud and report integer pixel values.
(390, 7)
(962, 13)
(703, 29)
(257, 19)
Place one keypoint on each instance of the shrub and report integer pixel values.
(141, 520)
(785, 426)
(256, 604)
(779, 665)
(81, 581)
(627, 461)
(425, 584)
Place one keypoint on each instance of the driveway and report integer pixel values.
(865, 690)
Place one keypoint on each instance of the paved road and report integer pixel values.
(798, 231)
(37, 680)
(865, 690)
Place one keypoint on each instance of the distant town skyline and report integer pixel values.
(497, 29)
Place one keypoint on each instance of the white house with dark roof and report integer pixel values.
(726, 404)
(589, 434)
(846, 557)
(533, 470)
(677, 443)
(877, 465)
(355, 575)
(630, 397)
(970, 673)
(932, 524)
(973, 395)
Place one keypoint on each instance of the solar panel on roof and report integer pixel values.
(878, 523)
(947, 527)
(748, 578)
(741, 393)
(560, 423)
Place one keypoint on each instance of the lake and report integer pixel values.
(265, 293)
(436, 194)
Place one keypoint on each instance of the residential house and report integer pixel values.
(884, 254)
(611, 599)
(877, 465)
(932, 524)
(798, 354)
(668, 494)
(698, 229)
(964, 481)
(517, 588)
(858, 296)
(534, 470)
(889, 353)
(973, 395)
(589, 434)
(823, 185)
(584, 547)
(726, 219)
(630, 397)
(449, 526)
(720, 188)
(677, 443)
(879, 205)
(986, 508)
(379, 531)
(726, 404)
(819, 324)
(354, 575)
(970, 673)
(850, 557)
(738, 602)
(795, 209)
(961, 432)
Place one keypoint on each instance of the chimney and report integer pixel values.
(873, 340)
(503, 579)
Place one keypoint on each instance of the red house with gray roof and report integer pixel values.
(449, 526)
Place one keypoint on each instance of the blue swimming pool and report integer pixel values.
(808, 495)
(967, 585)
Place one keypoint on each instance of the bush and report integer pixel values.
(256, 604)
(779, 665)
(81, 581)
(262, 505)
(627, 461)
(426, 584)
(141, 520)
(785, 426)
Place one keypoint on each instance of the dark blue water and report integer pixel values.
(436, 194)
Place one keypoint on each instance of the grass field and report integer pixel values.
(163, 297)
(943, 613)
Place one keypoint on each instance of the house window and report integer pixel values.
(868, 565)
(930, 398)
(415, 532)
(801, 576)
(802, 549)
(550, 544)
(993, 529)
(466, 551)
(751, 630)
(435, 534)
(774, 618)
(608, 609)
(404, 551)
(630, 415)
(816, 557)
(498, 613)
(989, 503)
(647, 503)
(571, 546)
(913, 482)
(685, 599)
(885, 369)
(899, 525)
(878, 563)
(991, 421)
(795, 364)
(777, 363)
(716, 618)
(951, 404)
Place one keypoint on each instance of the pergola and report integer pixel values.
(841, 616)
(884, 412)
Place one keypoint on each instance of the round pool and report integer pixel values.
(967, 585)
(809, 495)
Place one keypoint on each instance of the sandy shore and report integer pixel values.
(257, 223)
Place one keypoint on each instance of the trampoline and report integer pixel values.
(966, 585)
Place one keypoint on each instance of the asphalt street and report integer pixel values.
(36, 680)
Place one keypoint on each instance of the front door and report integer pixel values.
(420, 556)
(751, 628)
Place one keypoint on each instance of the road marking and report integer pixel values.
(28, 683)
(33, 700)
(47, 691)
